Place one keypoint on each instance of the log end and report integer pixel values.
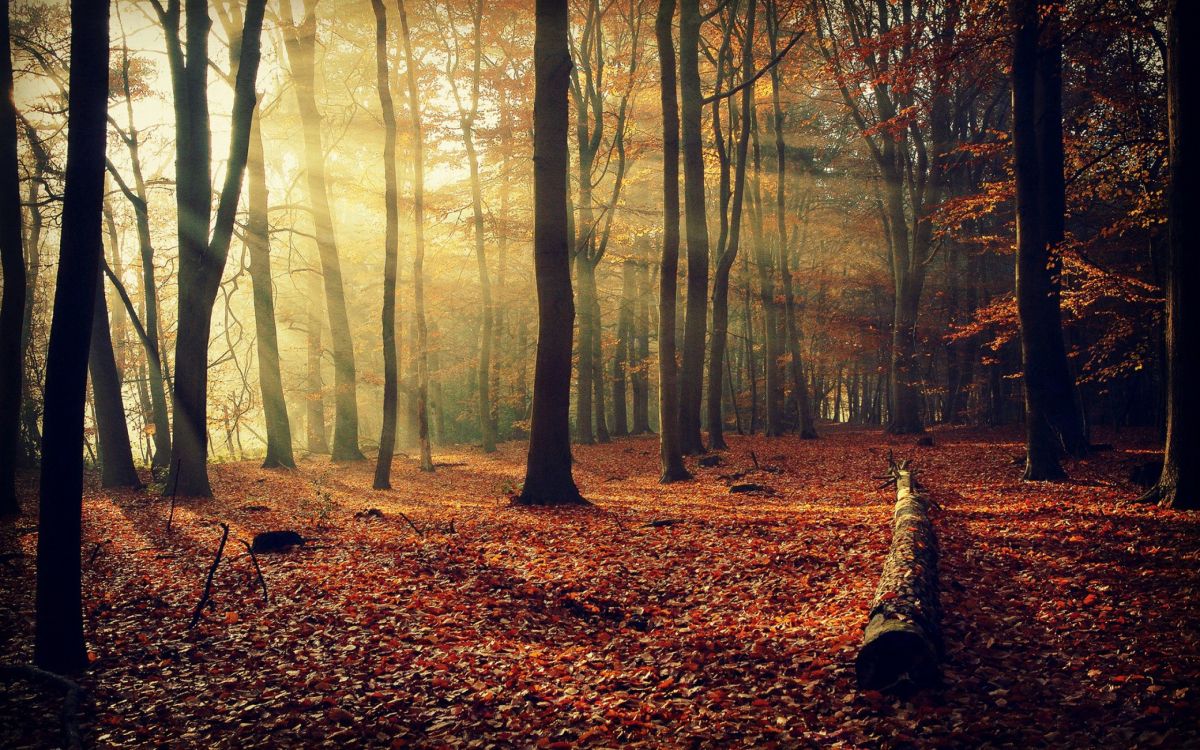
(897, 656)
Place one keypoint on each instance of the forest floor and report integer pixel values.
(1069, 617)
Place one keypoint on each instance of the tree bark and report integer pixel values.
(696, 320)
(902, 642)
(58, 632)
(112, 432)
(670, 449)
(639, 349)
(1177, 486)
(624, 348)
(314, 421)
(548, 479)
(12, 260)
(300, 43)
(422, 330)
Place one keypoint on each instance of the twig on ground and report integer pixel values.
(74, 696)
(257, 569)
(410, 523)
(208, 581)
(96, 550)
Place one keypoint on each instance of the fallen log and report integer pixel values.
(902, 641)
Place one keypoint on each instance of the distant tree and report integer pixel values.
(12, 259)
(670, 453)
(300, 42)
(548, 479)
(1177, 486)
(112, 431)
(58, 637)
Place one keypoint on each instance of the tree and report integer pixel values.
(201, 259)
(58, 636)
(1176, 487)
(12, 260)
(669, 449)
(422, 330)
(548, 479)
(300, 43)
(258, 245)
(696, 320)
(727, 246)
(116, 457)
(391, 241)
(1052, 422)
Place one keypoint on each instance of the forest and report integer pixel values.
(597, 374)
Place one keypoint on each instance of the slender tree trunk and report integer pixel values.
(58, 633)
(720, 309)
(315, 398)
(1176, 486)
(584, 390)
(30, 437)
(670, 449)
(548, 479)
(300, 43)
(116, 457)
(624, 346)
(391, 241)
(597, 337)
(422, 331)
(12, 260)
(639, 349)
(696, 321)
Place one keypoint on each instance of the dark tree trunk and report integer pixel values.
(391, 242)
(300, 43)
(201, 260)
(720, 293)
(598, 400)
(584, 389)
(116, 457)
(58, 636)
(1049, 389)
(421, 352)
(670, 452)
(696, 321)
(548, 479)
(1177, 487)
(639, 349)
(12, 260)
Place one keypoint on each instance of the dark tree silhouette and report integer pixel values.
(58, 637)
(548, 479)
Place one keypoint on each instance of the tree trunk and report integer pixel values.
(548, 479)
(12, 260)
(902, 642)
(58, 634)
(314, 420)
(300, 43)
(201, 260)
(116, 457)
(597, 337)
(696, 321)
(422, 330)
(624, 347)
(639, 349)
(1049, 389)
(1176, 486)
(391, 241)
(584, 390)
(670, 449)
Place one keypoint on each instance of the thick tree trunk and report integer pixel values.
(258, 243)
(422, 331)
(58, 633)
(670, 449)
(201, 260)
(300, 43)
(12, 260)
(1177, 487)
(1049, 389)
(391, 241)
(116, 457)
(548, 479)
(902, 643)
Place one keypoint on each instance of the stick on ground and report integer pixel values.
(208, 581)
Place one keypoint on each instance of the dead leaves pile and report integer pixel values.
(732, 622)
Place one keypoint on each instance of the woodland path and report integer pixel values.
(1065, 612)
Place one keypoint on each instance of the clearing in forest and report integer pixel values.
(732, 621)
